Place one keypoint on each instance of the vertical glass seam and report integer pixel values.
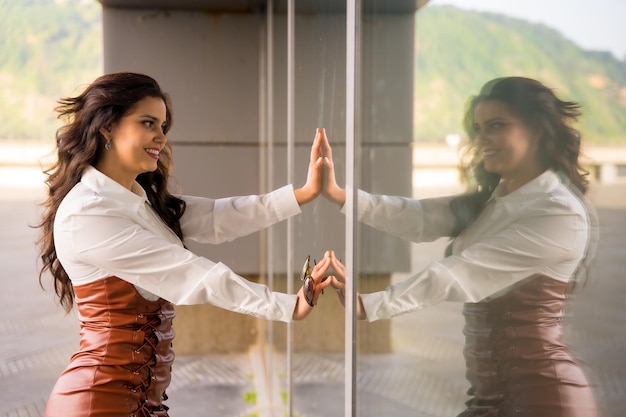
(290, 180)
(352, 60)
(269, 159)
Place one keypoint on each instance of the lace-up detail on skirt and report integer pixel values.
(124, 363)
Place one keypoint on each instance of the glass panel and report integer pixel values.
(307, 357)
(406, 365)
(418, 70)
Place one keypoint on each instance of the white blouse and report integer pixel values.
(541, 228)
(102, 229)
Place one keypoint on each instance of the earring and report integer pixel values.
(107, 145)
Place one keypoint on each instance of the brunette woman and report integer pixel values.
(113, 239)
(520, 243)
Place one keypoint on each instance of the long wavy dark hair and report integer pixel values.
(538, 107)
(80, 143)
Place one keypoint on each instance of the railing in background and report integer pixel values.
(436, 165)
(433, 165)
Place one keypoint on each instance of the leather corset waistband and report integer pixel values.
(129, 335)
(517, 335)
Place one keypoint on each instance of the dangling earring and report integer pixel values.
(107, 145)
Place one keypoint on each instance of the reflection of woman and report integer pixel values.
(519, 243)
(112, 237)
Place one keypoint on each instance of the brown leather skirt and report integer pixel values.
(70, 398)
(537, 397)
(123, 366)
(516, 361)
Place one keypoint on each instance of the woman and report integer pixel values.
(113, 239)
(520, 242)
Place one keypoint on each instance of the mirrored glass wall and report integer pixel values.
(389, 82)
(350, 68)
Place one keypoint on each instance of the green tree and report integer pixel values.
(47, 49)
(458, 51)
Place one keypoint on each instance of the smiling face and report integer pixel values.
(507, 145)
(136, 141)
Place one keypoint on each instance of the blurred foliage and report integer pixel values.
(48, 49)
(457, 51)
(52, 48)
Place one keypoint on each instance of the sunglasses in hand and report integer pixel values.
(308, 284)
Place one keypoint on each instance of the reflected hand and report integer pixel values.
(313, 186)
(338, 281)
(330, 189)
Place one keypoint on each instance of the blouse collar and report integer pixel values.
(537, 187)
(105, 186)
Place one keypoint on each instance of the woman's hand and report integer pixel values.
(313, 186)
(318, 274)
(338, 281)
(330, 189)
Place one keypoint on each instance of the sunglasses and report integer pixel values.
(308, 284)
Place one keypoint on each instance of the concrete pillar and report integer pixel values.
(212, 62)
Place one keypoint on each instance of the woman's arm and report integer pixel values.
(549, 244)
(220, 220)
(97, 245)
(407, 218)
(543, 244)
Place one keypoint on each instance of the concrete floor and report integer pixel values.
(424, 377)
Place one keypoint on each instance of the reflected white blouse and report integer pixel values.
(541, 228)
(102, 229)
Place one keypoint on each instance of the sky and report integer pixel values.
(592, 24)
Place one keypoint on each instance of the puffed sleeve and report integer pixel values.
(112, 242)
(220, 220)
(533, 245)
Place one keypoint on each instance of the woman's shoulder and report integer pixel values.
(562, 196)
(82, 200)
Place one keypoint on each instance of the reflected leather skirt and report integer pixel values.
(516, 362)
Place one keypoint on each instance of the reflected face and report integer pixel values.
(138, 138)
(506, 144)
